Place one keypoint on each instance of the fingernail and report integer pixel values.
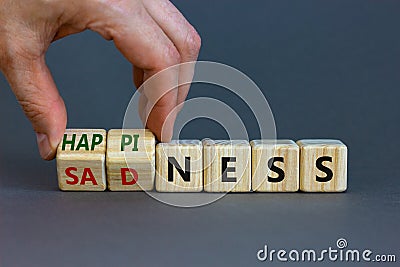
(44, 145)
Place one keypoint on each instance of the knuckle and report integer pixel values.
(7, 54)
(38, 108)
(34, 111)
(173, 55)
(192, 43)
(15, 54)
(169, 58)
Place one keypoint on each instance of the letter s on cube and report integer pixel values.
(323, 165)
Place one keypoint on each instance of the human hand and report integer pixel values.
(151, 34)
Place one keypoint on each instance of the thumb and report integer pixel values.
(34, 87)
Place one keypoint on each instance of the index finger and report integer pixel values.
(148, 48)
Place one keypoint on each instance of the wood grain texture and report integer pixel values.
(179, 150)
(312, 151)
(130, 158)
(83, 159)
(237, 174)
(283, 154)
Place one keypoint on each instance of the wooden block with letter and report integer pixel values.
(179, 166)
(275, 165)
(323, 165)
(81, 160)
(227, 165)
(130, 160)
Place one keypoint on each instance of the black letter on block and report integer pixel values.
(226, 169)
(329, 173)
(68, 142)
(185, 174)
(279, 171)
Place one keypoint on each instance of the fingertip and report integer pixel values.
(161, 123)
(46, 151)
(166, 135)
(50, 129)
(162, 132)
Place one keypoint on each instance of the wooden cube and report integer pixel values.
(275, 165)
(179, 166)
(227, 165)
(130, 160)
(323, 165)
(81, 160)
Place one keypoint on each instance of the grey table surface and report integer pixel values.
(328, 69)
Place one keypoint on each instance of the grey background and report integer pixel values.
(328, 69)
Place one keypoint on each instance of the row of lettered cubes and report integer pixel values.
(130, 160)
